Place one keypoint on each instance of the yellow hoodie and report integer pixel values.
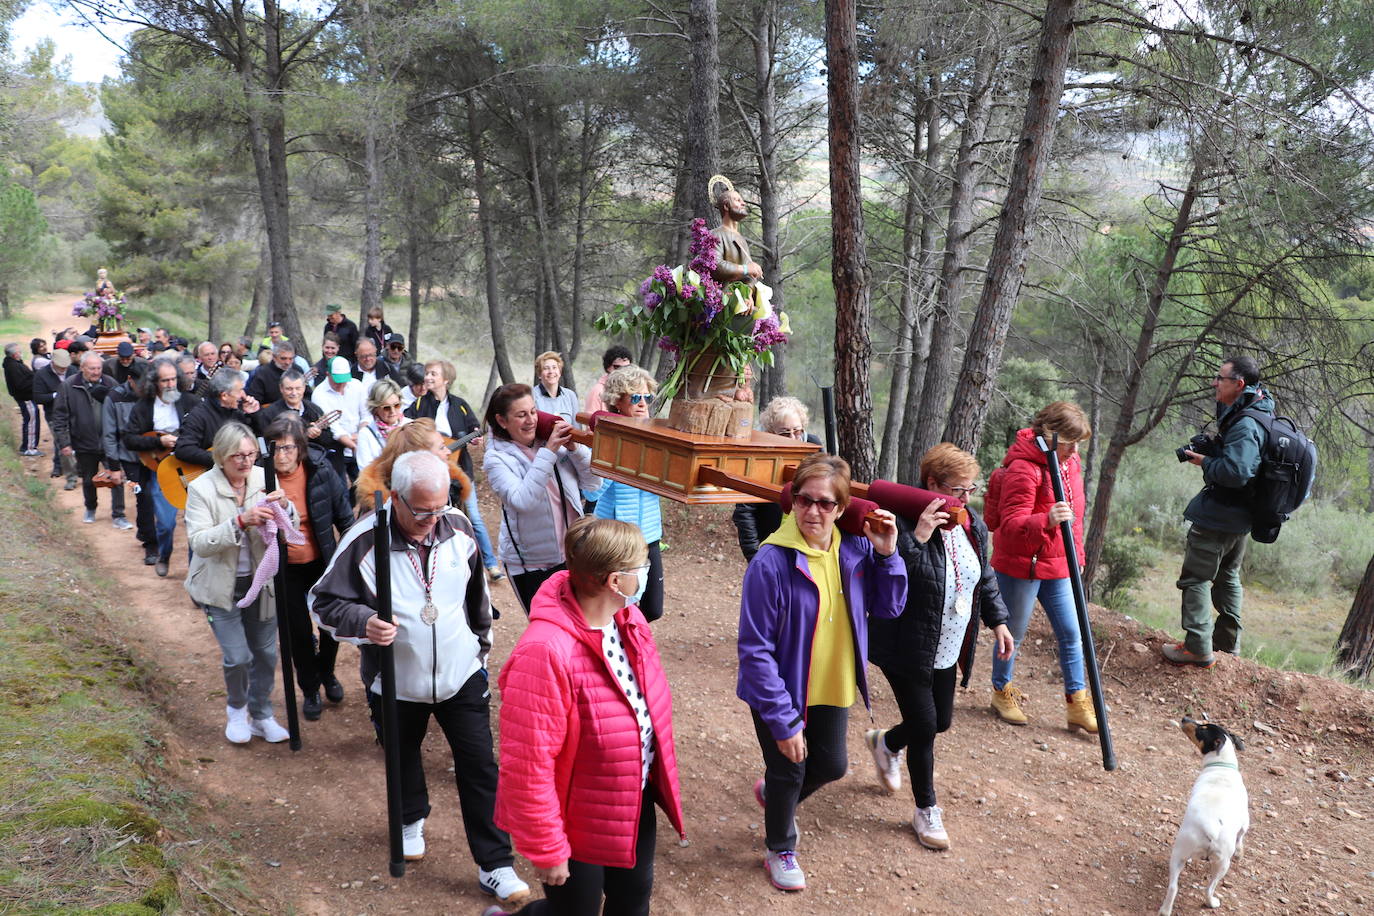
(832, 680)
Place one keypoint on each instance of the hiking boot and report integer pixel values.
(1079, 707)
(269, 731)
(929, 824)
(162, 565)
(783, 870)
(237, 729)
(413, 840)
(887, 763)
(150, 558)
(1177, 653)
(312, 707)
(333, 690)
(1007, 704)
(504, 884)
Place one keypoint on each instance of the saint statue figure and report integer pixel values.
(103, 287)
(734, 262)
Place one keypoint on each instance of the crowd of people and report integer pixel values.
(585, 718)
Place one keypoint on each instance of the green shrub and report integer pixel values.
(1124, 562)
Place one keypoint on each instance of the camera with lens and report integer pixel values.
(1201, 444)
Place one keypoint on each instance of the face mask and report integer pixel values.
(643, 574)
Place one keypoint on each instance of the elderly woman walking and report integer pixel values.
(803, 645)
(587, 732)
(225, 509)
(783, 416)
(950, 588)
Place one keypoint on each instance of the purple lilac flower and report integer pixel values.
(766, 334)
(703, 248)
(651, 299)
(713, 292)
(664, 275)
(666, 343)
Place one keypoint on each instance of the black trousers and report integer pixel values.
(56, 452)
(927, 710)
(651, 604)
(311, 665)
(145, 518)
(527, 583)
(786, 784)
(465, 719)
(89, 463)
(626, 890)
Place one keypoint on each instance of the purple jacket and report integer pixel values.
(777, 623)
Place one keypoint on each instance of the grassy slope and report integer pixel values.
(82, 798)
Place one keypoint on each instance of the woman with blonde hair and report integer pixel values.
(384, 417)
(415, 436)
(629, 391)
(950, 587)
(783, 416)
(1029, 558)
(587, 749)
(549, 394)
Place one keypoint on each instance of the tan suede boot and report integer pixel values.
(1080, 712)
(1007, 704)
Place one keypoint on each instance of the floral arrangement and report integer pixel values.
(692, 315)
(106, 311)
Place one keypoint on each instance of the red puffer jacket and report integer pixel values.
(1021, 545)
(570, 752)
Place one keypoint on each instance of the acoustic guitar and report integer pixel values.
(175, 475)
(151, 459)
(457, 445)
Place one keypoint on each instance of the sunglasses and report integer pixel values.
(641, 398)
(805, 502)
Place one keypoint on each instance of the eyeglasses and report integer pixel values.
(795, 432)
(424, 516)
(244, 456)
(287, 447)
(805, 502)
(641, 398)
(1226, 378)
(962, 492)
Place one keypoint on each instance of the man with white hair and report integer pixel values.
(441, 634)
(76, 427)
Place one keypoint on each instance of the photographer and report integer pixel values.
(1220, 516)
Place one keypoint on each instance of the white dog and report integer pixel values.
(1218, 812)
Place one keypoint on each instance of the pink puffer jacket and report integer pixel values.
(570, 751)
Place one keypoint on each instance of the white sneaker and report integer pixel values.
(237, 730)
(89, 517)
(888, 764)
(413, 840)
(268, 730)
(929, 824)
(783, 871)
(123, 524)
(504, 883)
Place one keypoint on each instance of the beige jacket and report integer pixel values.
(215, 539)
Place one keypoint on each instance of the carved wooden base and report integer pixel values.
(712, 417)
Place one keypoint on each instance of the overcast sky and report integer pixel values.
(92, 57)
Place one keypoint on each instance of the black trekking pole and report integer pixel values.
(284, 658)
(386, 661)
(1080, 600)
(832, 446)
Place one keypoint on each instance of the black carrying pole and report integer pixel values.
(288, 672)
(832, 442)
(1080, 600)
(386, 660)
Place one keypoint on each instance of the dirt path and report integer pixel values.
(1037, 826)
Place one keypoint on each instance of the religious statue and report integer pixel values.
(734, 262)
(104, 289)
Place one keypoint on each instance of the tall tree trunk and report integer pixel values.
(413, 268)
(276, 196)
(372, 174)
(949, 292)
(703, 113)
(848, 270)
(587, 143)
(1007, 263)
(1095, 422)
(262, 280)
(772, 381)
(1122, 436)
(484, 220)
(552, 298)
(1355, 647)
(212, 322)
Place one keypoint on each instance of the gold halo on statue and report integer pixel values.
(715, 180)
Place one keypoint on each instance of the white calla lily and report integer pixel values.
(741, 304)
(693, 278)
(678, 272)
(784, 323)
(763, 301)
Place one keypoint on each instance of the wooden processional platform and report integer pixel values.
(652, 456)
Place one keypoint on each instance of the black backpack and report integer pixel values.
(1288, 465)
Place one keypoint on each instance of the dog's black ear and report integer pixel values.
(1210, 737)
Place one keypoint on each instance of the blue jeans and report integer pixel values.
(1056, 597)
(249, 646)
(166, 515)
(479, 527)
